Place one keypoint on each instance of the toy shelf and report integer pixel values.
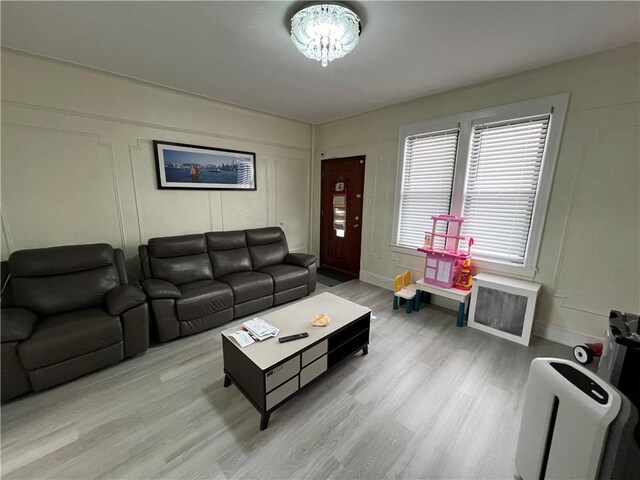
(448, 235)
(448, 218)
(442, 251)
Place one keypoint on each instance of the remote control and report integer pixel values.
(293, 337)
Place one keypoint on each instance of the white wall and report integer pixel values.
(78, 164)
(590, 256)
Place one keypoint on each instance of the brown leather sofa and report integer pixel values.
(197, 282)
(67, 311)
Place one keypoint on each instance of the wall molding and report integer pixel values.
(555, 293)
(562, 335)
(5, 230)
(220, 193)
(135, 187)
(376, 241)
(276, 166)
(109, 148)
(211, 227)
(157, 126)
(569, 218)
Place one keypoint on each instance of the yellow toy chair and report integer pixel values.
(405, 290)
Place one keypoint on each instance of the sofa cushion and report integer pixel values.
(17, 324)
(61, 337)
(286, 277)
(40, 262)
(180, 259)
(264, 236)
(49, 281)
(267, 246)
(203, 298)
(177, 246)
(228, 252)
(230, 261)
(231, 240)
(248, 286)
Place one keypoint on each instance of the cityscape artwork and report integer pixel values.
(189, 166)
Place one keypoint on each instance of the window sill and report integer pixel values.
(480, 265)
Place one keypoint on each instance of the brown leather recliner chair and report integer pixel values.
(67, 311)
(197, 282)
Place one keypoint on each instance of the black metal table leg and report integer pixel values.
(264, 421)
(365, 350)
(227, 382)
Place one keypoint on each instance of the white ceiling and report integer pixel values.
(240, 52)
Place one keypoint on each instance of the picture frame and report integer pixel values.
(180, 166)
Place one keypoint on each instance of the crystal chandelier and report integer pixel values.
(325, 31)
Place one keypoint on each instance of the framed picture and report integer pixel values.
(181, 166)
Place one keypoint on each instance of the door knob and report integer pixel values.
(355, 226)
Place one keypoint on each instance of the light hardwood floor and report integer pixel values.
(429, 401)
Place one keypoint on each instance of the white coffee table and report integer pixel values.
(269, 373)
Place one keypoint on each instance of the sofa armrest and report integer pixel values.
(123, 298)
(300, 259)
(17, 324)
(156, 288)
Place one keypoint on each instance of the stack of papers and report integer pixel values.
(259, 329)
(243, 338)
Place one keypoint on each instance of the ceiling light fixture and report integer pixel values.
(325, 31)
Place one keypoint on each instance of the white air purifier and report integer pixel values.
(574, 425)
(503, 306)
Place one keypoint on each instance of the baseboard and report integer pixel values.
(377, 280)
(547, 331)
(563, 335)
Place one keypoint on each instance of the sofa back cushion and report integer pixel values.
(55, 280)
(180, 259)
(267, 246)
(228, 252)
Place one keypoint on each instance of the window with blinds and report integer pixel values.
(502, 181)
(427, 180)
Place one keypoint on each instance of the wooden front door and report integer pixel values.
(342, 192)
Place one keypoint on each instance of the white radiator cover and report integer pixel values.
(503, 306)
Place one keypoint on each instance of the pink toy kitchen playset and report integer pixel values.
(442, 265)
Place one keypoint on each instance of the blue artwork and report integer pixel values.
(188, 166)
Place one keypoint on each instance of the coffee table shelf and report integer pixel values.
(270, 373)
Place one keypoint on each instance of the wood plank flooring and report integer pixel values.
(429, 401)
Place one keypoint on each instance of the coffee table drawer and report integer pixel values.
(314, 352)
(281, 373)
(311, 371)
(282, 392)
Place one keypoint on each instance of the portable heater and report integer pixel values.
(574, 425)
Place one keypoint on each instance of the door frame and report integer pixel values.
(322, 199)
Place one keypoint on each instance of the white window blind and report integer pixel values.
(427, 179)
(502, 181)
